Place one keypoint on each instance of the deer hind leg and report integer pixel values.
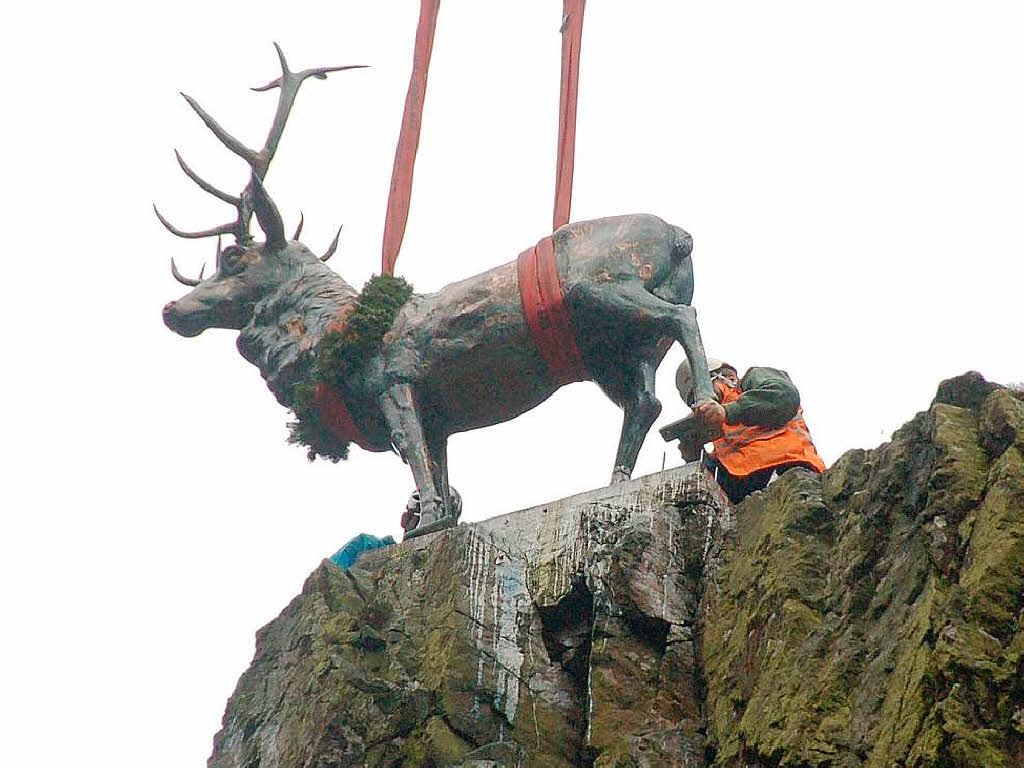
(639, 410)
(402, 415)
(628, 305)
(678, 322)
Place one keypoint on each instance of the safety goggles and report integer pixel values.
(726, 375)
(719, 374)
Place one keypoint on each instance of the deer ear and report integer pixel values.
(267, 215)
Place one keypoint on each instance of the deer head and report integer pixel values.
(247, 270)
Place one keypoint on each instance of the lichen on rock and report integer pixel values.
(877, 621)
(557, 636)
(867, 617)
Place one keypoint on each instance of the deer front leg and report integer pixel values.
(639, 412)
(437, 446)
(691, 343)
(402, 415)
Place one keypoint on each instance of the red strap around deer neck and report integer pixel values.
(408, 138)
(572, 36)
(337, 419)
(334, 413)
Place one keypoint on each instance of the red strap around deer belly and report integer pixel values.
(546, 314)
(334, 413)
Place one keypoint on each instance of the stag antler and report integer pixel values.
(333, 247)
(187, 280)
(254, 198)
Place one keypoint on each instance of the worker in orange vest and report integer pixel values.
(756, 425)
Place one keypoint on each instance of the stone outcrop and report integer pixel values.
(545, 637)
(869, 617)
(873, 617)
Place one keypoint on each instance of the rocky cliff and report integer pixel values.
(869, 617)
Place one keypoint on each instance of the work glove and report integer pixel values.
(711, 415)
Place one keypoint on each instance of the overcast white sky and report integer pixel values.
(851, 174)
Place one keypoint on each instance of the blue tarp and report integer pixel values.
(364, 542)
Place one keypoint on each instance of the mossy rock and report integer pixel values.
(880, 623)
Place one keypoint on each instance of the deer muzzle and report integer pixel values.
(218, 302)
(184, 323)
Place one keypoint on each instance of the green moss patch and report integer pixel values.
(873, 617)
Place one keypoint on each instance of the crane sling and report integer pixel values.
(541, 293)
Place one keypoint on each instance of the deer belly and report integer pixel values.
(477, 393)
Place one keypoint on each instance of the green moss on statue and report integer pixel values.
(338, 355)
(307, 430)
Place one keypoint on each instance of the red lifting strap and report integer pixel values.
(540, 290)
(408, 138)
(572, 36)
(334, 413)
(337, 419)
(546, 314)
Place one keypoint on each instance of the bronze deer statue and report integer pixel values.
(465, 357)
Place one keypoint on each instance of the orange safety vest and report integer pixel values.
(743, 449)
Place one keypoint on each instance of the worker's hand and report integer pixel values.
(711, 415)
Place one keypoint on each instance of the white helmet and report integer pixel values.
(684, 376)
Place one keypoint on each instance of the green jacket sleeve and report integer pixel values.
(769, 399)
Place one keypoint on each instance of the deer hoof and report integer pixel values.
(419, 518)
(424, 528)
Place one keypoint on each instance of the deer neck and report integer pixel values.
(288, 322)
